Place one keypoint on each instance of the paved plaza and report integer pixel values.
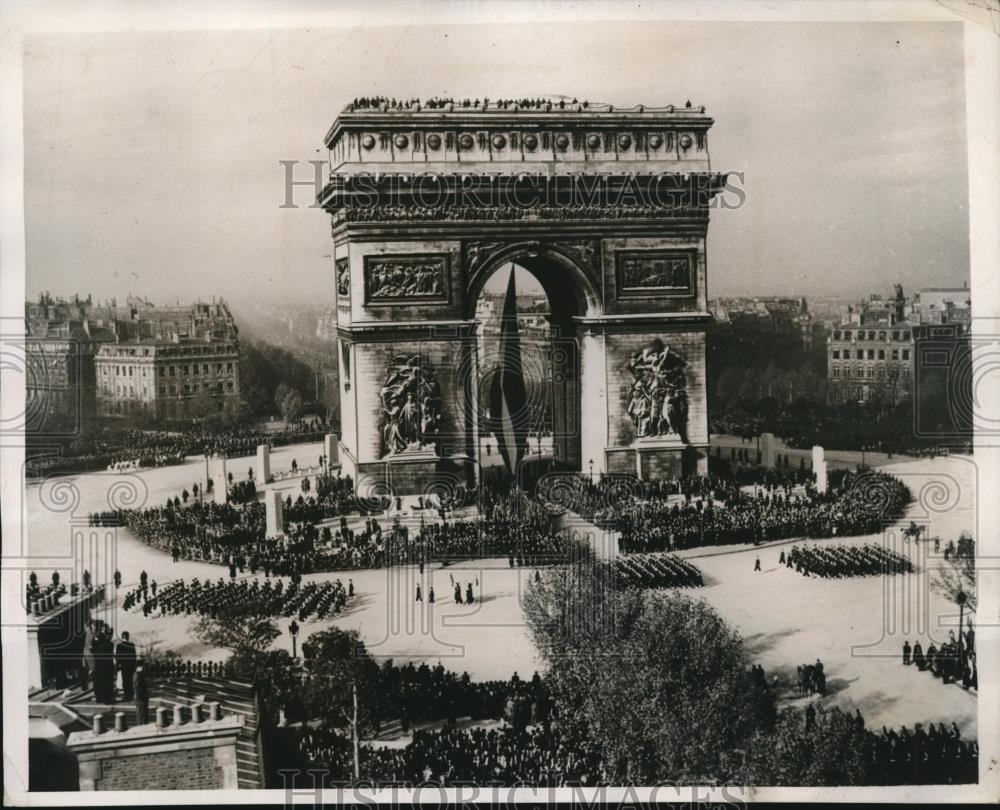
(856, 626)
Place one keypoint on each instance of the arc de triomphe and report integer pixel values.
(607, 208)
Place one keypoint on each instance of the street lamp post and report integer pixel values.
(293, 631)
(961, 599)
(591, 463)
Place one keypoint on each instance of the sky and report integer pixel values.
(152, 158)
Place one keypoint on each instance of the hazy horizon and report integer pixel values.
(152, 159)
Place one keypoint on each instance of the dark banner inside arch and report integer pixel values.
(508, 397)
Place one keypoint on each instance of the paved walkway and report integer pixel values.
(856, 626)
(836, 459)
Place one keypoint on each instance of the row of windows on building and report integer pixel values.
(870, 334)
(860, 354)
(192, 369)
(122, 389)
(869, 372)
(173, 352)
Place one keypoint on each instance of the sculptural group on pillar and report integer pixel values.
(658, 402)
(411, 406)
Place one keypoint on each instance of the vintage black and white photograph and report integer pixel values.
(531, 405)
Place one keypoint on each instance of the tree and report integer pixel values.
(836, 751)
(958, 573)
(263, 368)
(290, 405)
(288, 401)
(201, 406)
(278, 684)
(282, 390)
(342, 687)
(246, 630)
(688, 701)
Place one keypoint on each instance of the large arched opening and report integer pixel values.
(551, 293)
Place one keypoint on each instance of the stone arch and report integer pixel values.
(567, 273)
(619, 273)
(553, 264)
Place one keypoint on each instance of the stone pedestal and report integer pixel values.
(767, 449)
(331, 449)
(821, 480)
(275, 520)
(594, 407)
(220, 480)
(34, 662)
(658, 458)
(348, 462)
(411, 471)
(263, 471)
(663, 457)
(819, 468)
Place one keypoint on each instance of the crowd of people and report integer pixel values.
(512, 526)
(951, 662)
(233, 534)
(826, 561)
(485, 756)
(935, 756)
(216, 599)
(201, 530)
(849, 431)
(500, 756)
(385, 103)
(861, 504)
(600, 500)
(549, 755)
(420, 695)
(524, 541)
(33, 592)
(656, 571)
(437, 699)
(130, 449)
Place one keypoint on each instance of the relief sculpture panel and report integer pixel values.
(660, 273)
(343, 278)
(658, 399)
(411, 406)
(396, 280)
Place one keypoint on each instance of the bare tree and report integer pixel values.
(956, 579)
